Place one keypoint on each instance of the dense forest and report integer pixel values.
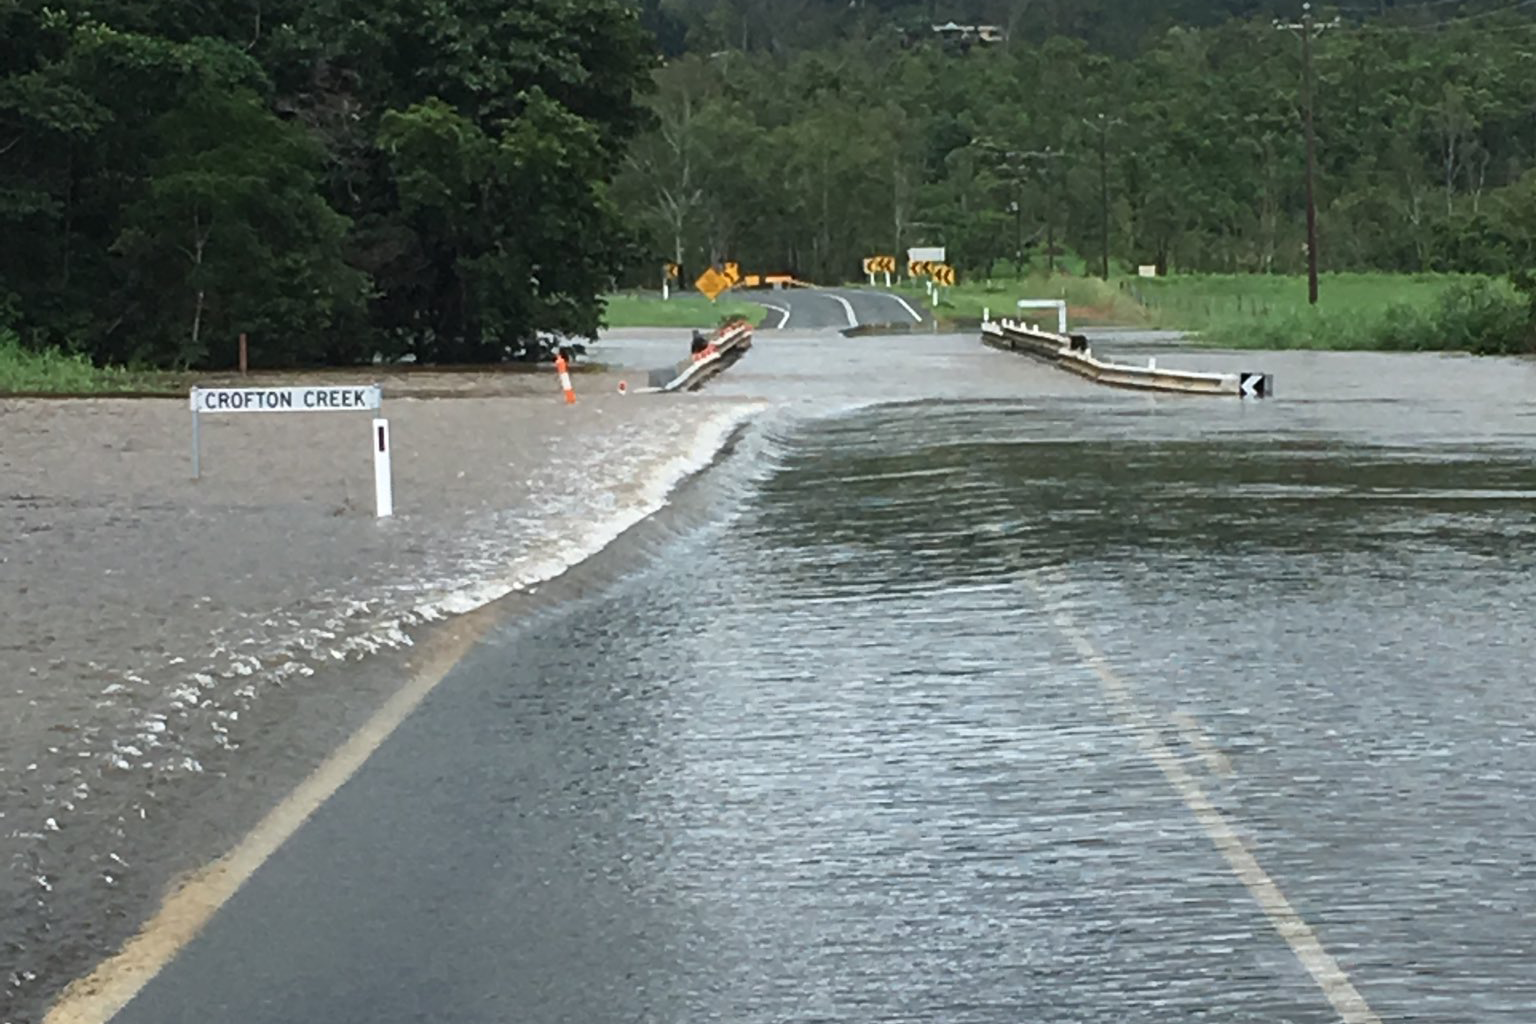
(822, 132)
(455, 179)
(335, 178)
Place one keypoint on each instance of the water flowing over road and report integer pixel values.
(960, 690)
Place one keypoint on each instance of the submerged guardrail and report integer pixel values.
(723, 349)
(1073, 354)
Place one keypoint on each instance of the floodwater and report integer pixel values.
(961, 690)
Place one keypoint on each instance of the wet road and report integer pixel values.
(964, 691)
(834, 308)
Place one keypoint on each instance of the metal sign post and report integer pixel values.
(1059, 305)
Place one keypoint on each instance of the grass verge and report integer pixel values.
(1377, 312)
(1090, 301)
(50, 371)
(631, 309)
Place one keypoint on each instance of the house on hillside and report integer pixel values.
(970, 35)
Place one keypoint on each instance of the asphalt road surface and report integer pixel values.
(963, 691)
(835, 308)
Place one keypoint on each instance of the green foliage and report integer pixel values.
(52, 372)
(334, 180)
(232, 236)
(1089, 300)
(628, 309)
(818, 133)
(1427, 312)
(1482, 317)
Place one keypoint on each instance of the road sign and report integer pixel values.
(673, 270)
(919, 268)
(732, 273)
(712, 283)
(211, 401)
(943, 274)
(926, 254)
(1255, 385)
(345, 399)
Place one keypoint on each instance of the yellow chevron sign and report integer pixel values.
(942, 274)
(880, 265)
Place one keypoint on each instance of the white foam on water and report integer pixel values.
(578, 513)
(567, 549)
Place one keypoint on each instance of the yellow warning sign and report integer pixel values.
(672, 271)
(712, 283)
(942, 274)
(732, 273)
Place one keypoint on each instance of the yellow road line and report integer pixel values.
(97, 997)
(1325, 970)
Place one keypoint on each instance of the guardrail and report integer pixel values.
(1072, 353)
(726, 346)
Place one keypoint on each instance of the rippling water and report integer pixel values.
(961, 691)
(857, 759)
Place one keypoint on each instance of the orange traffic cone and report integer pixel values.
(564, 371)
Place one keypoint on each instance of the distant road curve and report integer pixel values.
(833, 308)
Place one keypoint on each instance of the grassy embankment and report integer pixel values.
(1090, 302)
(23, 371)
(632, 309)
(1382, 312)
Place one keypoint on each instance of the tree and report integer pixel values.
(234, 236)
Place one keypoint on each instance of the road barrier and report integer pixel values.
(1072, 353)
(724, 348)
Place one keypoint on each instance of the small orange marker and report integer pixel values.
(564, 370)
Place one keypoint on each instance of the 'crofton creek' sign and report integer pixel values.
(345, 399)
(213, 401)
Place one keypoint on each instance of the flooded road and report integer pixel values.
(962, 690)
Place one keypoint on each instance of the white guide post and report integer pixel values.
(383, 482)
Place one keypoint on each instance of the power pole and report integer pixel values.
(1307, 29)
(1104, 200)
(1015, 164)
(1306, 103)
(1045, 161)
(1102, 125)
